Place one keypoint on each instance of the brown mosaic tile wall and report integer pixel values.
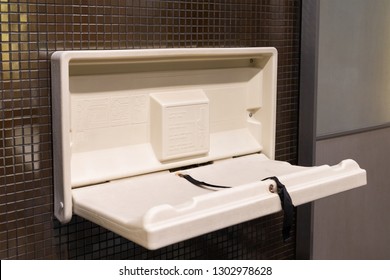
(31, 30)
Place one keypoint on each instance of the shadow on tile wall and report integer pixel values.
(30, 32)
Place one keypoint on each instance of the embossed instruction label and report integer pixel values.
(186, 130)
(95, 113)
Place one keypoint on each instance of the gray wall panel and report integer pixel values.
(353, 65)
(355, 224)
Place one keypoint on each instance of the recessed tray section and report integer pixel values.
(142, 114)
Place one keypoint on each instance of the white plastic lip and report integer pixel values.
(160, 54)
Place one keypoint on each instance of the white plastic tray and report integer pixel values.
(123, 118)
(160, 209)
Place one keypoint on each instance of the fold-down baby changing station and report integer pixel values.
(127, 122)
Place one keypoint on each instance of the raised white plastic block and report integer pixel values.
(180, 124)
(123, 119)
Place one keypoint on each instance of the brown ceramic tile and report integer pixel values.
(32, 30)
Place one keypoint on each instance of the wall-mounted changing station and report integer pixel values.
(126, 122)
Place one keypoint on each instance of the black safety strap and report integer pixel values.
(200, 183)
(285, 199)
(287, 207)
